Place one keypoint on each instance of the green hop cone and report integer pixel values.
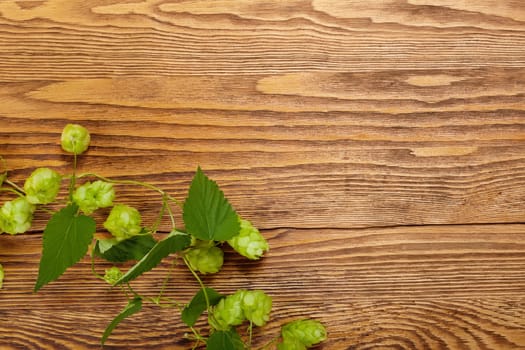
(228, 312)
(112, 275)
(91, 196)
(256, 306)
(42, 186)
(205, 257)
(291, 344)
(308, 332)
(75, 138)
(16, 216)
(123, 222)
(249, 242)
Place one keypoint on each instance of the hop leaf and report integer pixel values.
(256, 306)
(133, 306)
(42, 186)
(123, 222)
(225, 340)
(207, 214)
(205, 257)
(308, 332)
(228, 312)
(249, 242)
(16, 216)
(75, 138)
(197, 305)
(66, 240)
(91, 196)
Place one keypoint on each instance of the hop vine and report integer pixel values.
(210, 222)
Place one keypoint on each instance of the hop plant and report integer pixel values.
(42, 186)
(249, 242)
(75, 138)
(91, 196)
(256, 306)
(307, 332)
(209, 219)
(123, 222)
(228, 312)
(112, 275)
(16, 216)
(205, 257)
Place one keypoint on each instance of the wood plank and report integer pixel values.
(378, 145)
(303, 170)
(444, 287)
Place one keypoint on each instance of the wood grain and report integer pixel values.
(379, 145)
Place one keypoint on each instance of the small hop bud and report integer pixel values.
(42, 186)
(205, 257)
(123, 222)
(256, 306)
(249, 242)
(16, 216)
(308, 332)
(91, 196)
(112, 275)
(228, 312)
(75, 138)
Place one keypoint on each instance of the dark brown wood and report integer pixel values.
(378, 145)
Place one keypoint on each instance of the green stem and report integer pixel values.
(172, 218)
(15, 191)
(165, 282)
(19, 189)
(157, 222)
(134, 182)
(73, 180)
(198, 338)
(203, 287)
(250, 333)
(95, 273)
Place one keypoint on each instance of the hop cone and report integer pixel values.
(42, 186)
(91, 196)
(75, 138)
(228, 312)
(257, 306)
(307, 332)
(291, 344)
(249, 242)
(123, 222)
(16, 216)
(205, 257)
(112, 275)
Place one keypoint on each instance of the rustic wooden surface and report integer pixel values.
(379, 146)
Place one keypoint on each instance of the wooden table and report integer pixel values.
(378, 145)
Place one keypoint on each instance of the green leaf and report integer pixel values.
(66, 240)
(225, 340)
(207, 213)
(175, 242)
(197, 305)
(133, 248)
(133, 307)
